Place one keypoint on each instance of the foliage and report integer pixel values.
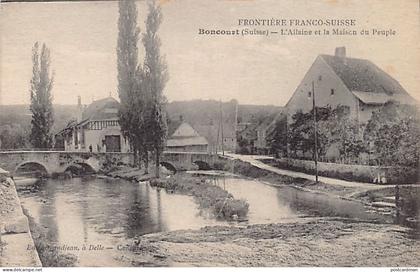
(334, 127)
(156, 76)
(394, 132)
(142, 112)
(13, 137)
(41, 98)
(277, 138)
(210, 197)
(131, 98)
(301, 132)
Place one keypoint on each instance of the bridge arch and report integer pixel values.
(32, 168)
(79, 168)
(202, 165)
(168, 166)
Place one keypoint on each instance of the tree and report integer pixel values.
(41, 98)
(341, 130)
(394, 131)
(12, 136)
(277, 138)
(156, 76)
(130, 83)
(300, 136)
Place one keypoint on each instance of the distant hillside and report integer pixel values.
(194, 111)
(15, 120)
(20, 115)
(199, 111)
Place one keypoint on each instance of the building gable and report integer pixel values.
(329, 90)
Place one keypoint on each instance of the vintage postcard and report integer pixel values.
(204, 133)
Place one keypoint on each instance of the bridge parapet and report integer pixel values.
(59, 161)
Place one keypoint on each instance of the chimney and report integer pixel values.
(79, 109)
(340, 52)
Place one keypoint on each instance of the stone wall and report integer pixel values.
(351, 172)
(18, 247)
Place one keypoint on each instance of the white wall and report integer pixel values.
(95, 138)
(323, 97)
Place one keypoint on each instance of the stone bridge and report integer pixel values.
(60, 161)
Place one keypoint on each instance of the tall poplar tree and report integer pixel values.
(156, 76)
(41, 98)
(129, 77)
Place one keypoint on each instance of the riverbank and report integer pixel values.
(310, 242)
(212, 200)
(377, 198)
(218, 202)
(17, 245)
(402, 202)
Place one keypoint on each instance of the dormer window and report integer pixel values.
(332, 91)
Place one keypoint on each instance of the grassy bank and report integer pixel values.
(248, 170)
(395, 175)
(48, 254)
(210, 197)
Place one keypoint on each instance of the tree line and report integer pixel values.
(142, 114)
(389, 138)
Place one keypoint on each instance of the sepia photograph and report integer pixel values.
(210, 133)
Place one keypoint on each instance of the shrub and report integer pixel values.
(208, 196)
(402, 175)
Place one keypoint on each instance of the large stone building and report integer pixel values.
(340, 80)
(96, 129)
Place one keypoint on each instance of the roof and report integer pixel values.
(185, 130)
(185, 135)
(367, 81)
(381, 98)
(103, 109)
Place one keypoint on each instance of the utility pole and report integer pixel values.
(315, 132)
(221, 128)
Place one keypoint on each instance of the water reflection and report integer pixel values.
(84, 212)
(265, 205)
(269, 204)
(109, 213)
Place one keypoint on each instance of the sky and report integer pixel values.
(82, 37)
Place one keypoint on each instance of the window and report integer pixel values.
(332, 91)
(320, 78)
(309, 94)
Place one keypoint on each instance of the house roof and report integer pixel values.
(367, 81)
(186, 135)
(103, 109)
(185, 130)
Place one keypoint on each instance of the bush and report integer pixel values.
(209, 197)
(402, 175)
(228, 208)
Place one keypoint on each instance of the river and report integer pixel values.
(103, 215)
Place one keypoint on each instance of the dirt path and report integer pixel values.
(254, 160)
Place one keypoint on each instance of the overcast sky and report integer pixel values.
(82, 37)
